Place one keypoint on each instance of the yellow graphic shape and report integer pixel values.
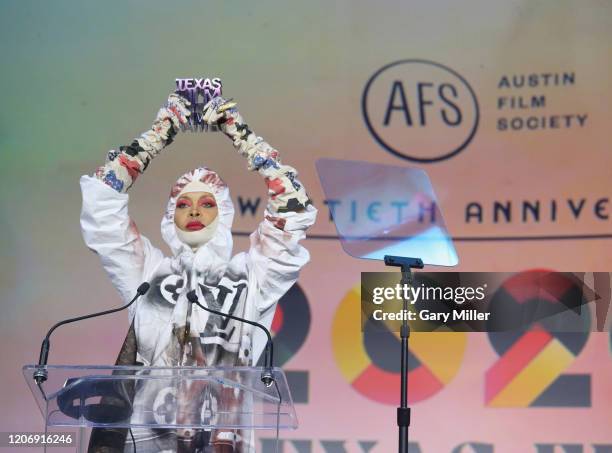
(347, 341)
(535, 377)
(441, 352)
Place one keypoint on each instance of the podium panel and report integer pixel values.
(162, 398)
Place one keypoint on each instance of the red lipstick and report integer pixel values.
(194, 225)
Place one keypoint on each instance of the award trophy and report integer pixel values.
(199, 91)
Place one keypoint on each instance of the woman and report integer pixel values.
(165, 329)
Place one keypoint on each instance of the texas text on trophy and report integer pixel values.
(198, 91)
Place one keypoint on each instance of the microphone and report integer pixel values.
(40, 375)
(267, 377)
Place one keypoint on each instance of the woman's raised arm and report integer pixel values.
(127, 256)
(275, 256)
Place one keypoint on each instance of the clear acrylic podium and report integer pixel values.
(81, 397)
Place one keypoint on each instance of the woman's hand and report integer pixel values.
(218, 111)
(171, 118)
(174, 113)
(224, 113)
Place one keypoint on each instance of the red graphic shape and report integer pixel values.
(514, 361)
(538, 284)
(277, 321)
(383, 386)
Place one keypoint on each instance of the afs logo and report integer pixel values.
(420, 110)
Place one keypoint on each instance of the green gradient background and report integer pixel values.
(80, 78)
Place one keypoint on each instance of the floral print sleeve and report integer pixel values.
(285, 192)
(124, 165)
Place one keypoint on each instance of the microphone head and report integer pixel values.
(192, 296)
(40, 375)
(267, 377)
(142, 289)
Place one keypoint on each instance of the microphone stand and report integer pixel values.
(403, 412)
(40, 375)
(267, 375)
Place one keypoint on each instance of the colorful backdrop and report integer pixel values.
(505, 104)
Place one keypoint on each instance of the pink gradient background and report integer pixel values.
(82, 79)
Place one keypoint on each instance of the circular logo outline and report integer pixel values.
(369, 379)
(397, 153)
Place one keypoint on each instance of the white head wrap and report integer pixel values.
(214, 244)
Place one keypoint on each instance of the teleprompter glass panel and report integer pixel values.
(383, 210)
